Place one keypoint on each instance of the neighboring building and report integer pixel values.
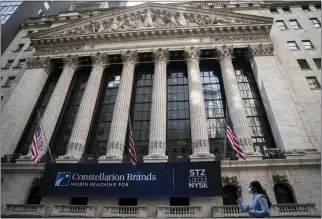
(13, 13)
(173, 69)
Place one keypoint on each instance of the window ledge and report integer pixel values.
(5, 68)
(309, 69)
(16, 67)
(16, 51)
(315, 88)
(298, 28)
(284, 30)
(295, 49)
(311, 49)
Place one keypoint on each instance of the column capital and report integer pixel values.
(71, 61)
(192, 53)
(160, 55)
(129, 56)
(260, 50)
(38, 62)
(224, 51)
(100, 59)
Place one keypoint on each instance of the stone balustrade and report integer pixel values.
(290, 210)
(73, 211)
(125, 211)
(227, 211)
(277, 210)
(27, 210)
(179, 212)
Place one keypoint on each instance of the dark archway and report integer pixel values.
(230, 197)
(284, 193)
(33, 197)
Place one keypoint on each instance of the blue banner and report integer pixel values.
(184, 179)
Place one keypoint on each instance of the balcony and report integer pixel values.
(179, 212)
(277, 210)
(273, 153)
(125, 211)
(18, 210)
(73, 211)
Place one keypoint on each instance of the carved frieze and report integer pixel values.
(149, 19)
(192, 53)
(239, 37)
(261, 50)
(229, 180)
(60, 49)
(224, 51)
(129, 56)
(70, 60)
(280, 178)
(160, 55)
(38, 62)
(99, 58)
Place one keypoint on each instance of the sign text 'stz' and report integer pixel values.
(191, 179)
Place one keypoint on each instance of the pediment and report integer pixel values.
(152, 16)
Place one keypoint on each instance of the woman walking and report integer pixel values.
(260, 205)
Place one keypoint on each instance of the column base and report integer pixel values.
(26, 159)
(109, 159)
(253, 155)
(155, 159)
(67, 159)
(202, 157)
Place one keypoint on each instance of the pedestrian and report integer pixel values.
(260, 204)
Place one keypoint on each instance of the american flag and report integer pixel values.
(131, 145)
(232, 138)
(37, 141)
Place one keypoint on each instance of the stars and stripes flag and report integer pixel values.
(37, 141)
(232, 138)
(131, 145)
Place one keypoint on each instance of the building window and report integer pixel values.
(281, 25)
(128, 202)
(33, 198)
(19, 48)
(231, 196)
(292, 45)
(46, 4)
(283, 194)
(305, 8)
(261, 132)
(303, 64)
(307, 44)
(41, 12)
(2, 97)
(313, 82)
(214, 101)
(9, 81)
(79, 201)
(2, 178)
(273, 10)
(318, 7)
(178, 123)
(295, 24)
(21, 63)
(316, 23)
(317, 62)
(103, 114)
(8, 65)
(140, 111)
(44, 97)
(286, 10)
(68, 114)
(179, 201)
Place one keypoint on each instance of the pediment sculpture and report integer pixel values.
(148, 19)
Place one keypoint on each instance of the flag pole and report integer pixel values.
(225, 141)
(38, 114)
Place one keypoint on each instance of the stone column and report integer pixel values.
(236, 107)
(21, 103)
(57, 99)
(77, 141)
(199, 127)
(115, 145)
(158, 121)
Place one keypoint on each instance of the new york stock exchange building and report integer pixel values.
(169, 74)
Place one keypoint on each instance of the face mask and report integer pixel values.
(250, 191)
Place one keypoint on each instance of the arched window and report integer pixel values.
(230, 197)
(33, 197)
(283, 194)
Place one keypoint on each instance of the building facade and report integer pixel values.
(172, 70)
(13, 13)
